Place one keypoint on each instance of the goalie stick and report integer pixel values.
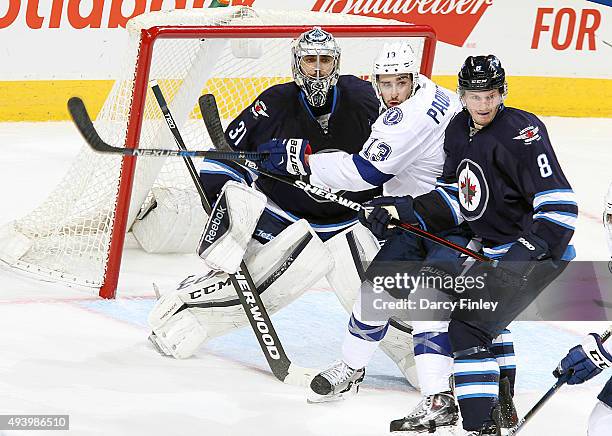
(83, 121)
(258, 317)
(560, 382)
(210, 114)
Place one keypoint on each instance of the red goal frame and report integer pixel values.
(141, 78)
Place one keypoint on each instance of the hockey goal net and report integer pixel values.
(77, 234)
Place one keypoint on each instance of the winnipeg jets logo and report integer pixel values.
(468, 190)
(259, 108)
(473, 190)
(528, 135)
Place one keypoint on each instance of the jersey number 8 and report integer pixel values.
(545, 169)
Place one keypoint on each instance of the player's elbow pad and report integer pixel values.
(434, 212)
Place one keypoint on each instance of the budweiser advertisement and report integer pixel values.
(543, 38)
(453, 20)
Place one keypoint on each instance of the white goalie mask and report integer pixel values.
(395, 58)
(315, 65)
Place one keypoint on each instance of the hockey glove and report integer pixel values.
(287, 156)
(377, 213)
(584, 361)
(520, 260)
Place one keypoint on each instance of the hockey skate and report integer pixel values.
(504, 414)
(434, 411)
(335, 383)
(488, 430)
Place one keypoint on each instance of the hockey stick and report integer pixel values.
(83, 121)
(210, 114)
(258, 317)
(560, 382)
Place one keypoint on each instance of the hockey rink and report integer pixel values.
(64, 351)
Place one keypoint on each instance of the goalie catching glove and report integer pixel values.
(286, 156)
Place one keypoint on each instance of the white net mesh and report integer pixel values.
(67, 237)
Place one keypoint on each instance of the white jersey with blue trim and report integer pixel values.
(404, 152)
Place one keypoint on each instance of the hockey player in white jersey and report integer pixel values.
(585, 361)
(404, 154)
(592, 356)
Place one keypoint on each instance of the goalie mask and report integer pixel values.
(315, 65)
(395, 58)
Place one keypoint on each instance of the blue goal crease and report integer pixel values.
(303, 324)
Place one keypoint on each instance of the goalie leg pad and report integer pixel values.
(172, 224)
(290, 264)
(176, 330)
(398, 345)
(281, 269)
(351, 249)
(230, 226)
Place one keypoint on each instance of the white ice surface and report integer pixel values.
(65, 351)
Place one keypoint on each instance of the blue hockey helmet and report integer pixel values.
(482, 73)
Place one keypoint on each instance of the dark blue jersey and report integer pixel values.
(504, 181)
(281, 111)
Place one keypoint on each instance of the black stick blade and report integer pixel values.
(82, 120)
(212, 120)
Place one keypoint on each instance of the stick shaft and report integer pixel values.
(83, 122)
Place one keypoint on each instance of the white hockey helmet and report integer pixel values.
(316, 42)
(395, 58)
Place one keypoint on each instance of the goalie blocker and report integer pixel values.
(230, 226)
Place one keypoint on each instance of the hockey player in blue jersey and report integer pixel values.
(289, 228)
(332, 111)
(502, 178)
